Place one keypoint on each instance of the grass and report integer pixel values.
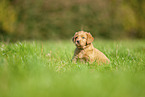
(44, 69)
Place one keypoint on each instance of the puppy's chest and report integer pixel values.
(83, 54)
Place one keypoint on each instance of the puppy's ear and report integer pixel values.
(73, 38)
(90, 38)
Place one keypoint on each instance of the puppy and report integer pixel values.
(85, 51)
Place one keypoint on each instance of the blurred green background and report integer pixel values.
(60, 19)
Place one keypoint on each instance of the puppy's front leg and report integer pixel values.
(74, 59)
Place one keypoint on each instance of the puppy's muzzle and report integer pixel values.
(78, 41)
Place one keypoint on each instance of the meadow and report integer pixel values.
(44, 69)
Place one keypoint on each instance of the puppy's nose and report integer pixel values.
(78, 41)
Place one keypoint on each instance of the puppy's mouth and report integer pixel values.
(79, 45)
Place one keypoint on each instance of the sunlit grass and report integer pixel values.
(41, 69)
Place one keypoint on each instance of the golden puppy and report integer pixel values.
(85, 50)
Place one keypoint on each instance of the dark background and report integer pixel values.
(60, 19)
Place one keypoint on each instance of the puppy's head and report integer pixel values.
(82, 39)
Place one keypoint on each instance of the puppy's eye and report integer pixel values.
(76, 37)
(83, 37)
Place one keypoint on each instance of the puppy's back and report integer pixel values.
(100, 57)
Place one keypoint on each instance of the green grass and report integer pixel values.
(28, 69)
